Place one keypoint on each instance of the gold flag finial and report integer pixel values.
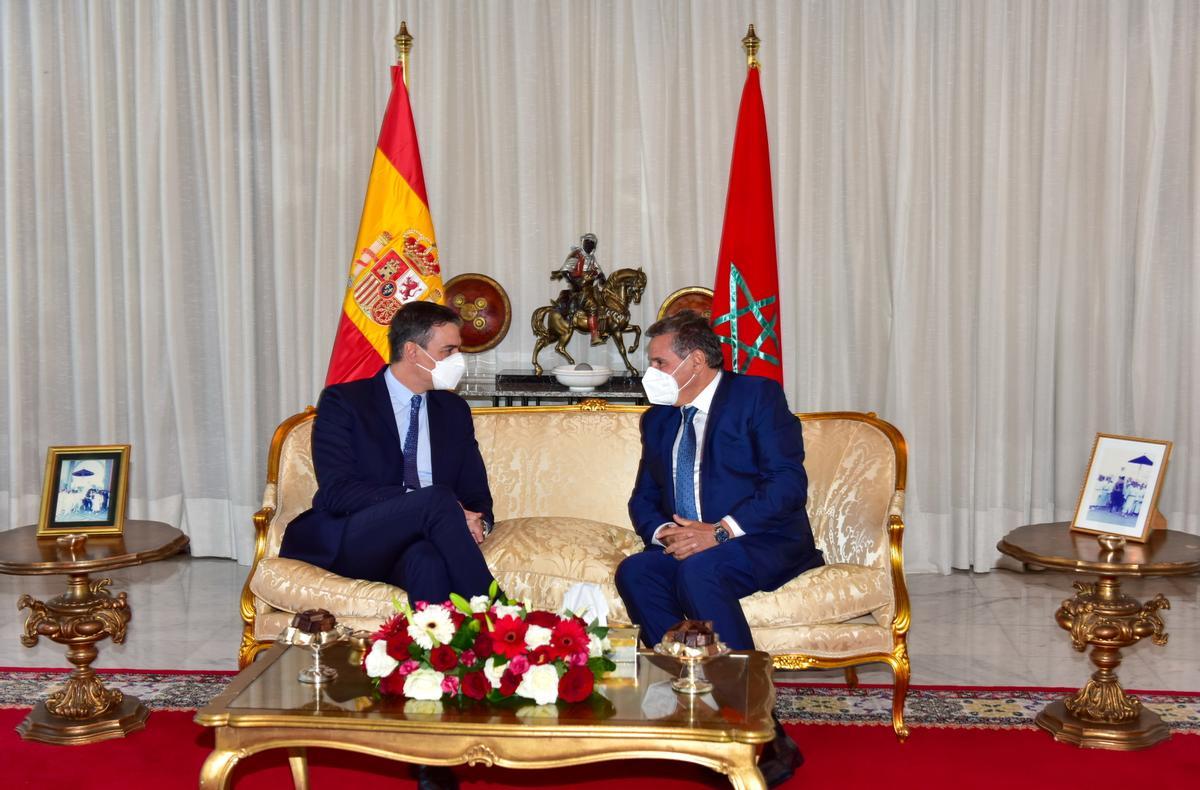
(751, 43)
(404, 43)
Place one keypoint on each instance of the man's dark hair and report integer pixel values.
(415, 322)
(691, 332)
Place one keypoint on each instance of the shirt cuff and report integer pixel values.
(654, 538)
(734, 529)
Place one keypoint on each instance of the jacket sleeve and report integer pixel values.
(778, 445)
(645, 504)
(472, 489)
(341, 487)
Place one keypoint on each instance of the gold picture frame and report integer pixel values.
(85, 490)
(1120, 490)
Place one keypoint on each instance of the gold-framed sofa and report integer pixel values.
(560, 478)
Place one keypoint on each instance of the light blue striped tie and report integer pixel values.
(411, 478)
(685, 467)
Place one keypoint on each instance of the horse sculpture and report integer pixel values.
(623, 288)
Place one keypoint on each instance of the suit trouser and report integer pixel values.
(660, 590)
(418, 541)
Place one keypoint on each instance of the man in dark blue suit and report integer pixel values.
(719, 497)
(409, 512)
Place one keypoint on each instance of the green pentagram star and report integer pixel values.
(744, 353)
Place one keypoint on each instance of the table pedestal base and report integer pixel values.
(1146, 730)
(42, 725)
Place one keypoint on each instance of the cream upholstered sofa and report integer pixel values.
(561, 477)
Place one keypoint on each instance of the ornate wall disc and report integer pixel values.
(484, 307)
(693, 297)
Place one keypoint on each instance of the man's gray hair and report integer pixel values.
(691, 332)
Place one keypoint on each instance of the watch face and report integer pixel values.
(721, 534)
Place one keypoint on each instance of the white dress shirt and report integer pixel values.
(702, 402)
(402, 409)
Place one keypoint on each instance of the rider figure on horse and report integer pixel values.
(586, 281)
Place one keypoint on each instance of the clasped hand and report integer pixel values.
(688, 537)
(474, 523)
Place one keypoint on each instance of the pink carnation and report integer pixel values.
(519, 665)
(450, 684)
(407, 667)
(577, 659)
(467, 658)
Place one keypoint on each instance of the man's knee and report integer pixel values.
(704, 571)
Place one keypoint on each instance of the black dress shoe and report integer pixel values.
(434, 777)
(780, 758)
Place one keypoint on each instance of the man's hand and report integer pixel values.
(474, 523)
(688, 538)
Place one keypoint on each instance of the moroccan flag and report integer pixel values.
(745, 310)
(396, 255)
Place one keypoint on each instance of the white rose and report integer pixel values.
(505, 610)
(432, 624)
(379, 663)
(479, 603)
(536, 636)
(424, 684)
(595, 646)
(540, 684)
(493, 672)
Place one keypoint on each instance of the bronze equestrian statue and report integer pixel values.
(599, 306)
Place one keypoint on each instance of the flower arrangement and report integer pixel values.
(487, 648)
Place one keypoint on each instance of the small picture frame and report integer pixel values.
(85, 490)
(1120, 491)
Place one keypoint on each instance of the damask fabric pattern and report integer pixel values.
(558, 477)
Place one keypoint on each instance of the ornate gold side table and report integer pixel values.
(83, 711)
(1101, 715)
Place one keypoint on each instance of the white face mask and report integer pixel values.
(661, 387)
(446, 373)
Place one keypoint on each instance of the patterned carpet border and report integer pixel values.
(962, 707)
(798, 704)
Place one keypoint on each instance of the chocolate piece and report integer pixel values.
(692, 633)
(314, 621)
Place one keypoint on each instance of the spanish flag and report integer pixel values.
(745, 309)
(396, 255)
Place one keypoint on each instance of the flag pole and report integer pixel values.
(751, 43)
(404, 43)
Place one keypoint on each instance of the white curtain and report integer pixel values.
(988, 220)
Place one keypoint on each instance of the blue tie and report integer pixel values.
(685, 467)
(411, 479)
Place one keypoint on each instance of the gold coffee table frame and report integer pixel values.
(265, 707)
(84, 710)
(1101, 715)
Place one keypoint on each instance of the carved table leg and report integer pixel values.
(83, 711)
(1101, 715)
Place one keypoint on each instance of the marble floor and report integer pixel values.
(969, 629)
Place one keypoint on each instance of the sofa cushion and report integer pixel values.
(538, 559)
(828, 594)
(293, 586)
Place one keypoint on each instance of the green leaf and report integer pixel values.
(493, 590)
(600, 631)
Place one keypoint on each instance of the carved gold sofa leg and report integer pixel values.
(901, 671)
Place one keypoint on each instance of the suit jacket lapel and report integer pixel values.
(382, 401)
(718, 411)
(435, 415)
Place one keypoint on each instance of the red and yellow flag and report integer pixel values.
(745, 309)
(396, 258)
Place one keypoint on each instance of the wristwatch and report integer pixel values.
(720, 533)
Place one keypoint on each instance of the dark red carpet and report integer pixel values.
(168, 754)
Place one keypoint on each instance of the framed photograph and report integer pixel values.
(85, 490)
(1120, 491)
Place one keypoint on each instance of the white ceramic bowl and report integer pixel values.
(581, 380)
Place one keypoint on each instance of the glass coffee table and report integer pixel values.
(266, 707)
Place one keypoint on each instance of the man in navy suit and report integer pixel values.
(719, 498)
(402, 493)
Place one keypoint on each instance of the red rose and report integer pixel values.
(392, 685)
(569, 636)
(575, 685)
(509, 683)
(443, 657)
(483, 646)
(397, 645)
(508, 637)
(542, 618)
(542, 655)
(475, 685)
